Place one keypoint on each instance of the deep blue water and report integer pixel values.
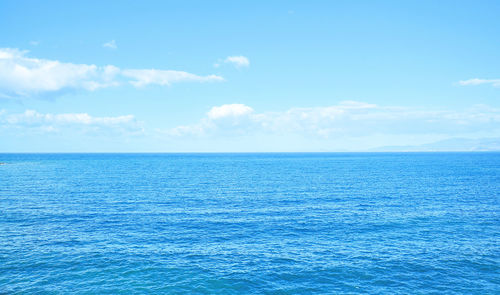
(378, 223)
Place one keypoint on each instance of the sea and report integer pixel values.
(263, 223)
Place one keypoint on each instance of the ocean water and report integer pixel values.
(360, 223)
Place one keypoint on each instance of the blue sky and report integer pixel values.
(184, 76)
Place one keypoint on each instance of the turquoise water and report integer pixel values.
(378, 223)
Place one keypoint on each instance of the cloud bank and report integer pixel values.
(346, 119)
(23, 76)
(348, 125)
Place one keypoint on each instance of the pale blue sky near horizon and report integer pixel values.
(174, 76)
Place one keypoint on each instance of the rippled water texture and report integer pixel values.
(250, 223)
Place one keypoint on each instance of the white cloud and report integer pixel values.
(30, 117)
(162, 77)
(34, 120)
(238, 61)
(474, 82)
(22, 76)
(111, 44)
(348, 118)
(238, 116)
(229, 110)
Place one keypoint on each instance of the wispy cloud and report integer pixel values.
(238, 61)
(23, 76)
(111, 45)
(165, 77)
(33, 120)
(474, 82)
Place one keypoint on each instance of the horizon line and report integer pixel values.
(270, 152)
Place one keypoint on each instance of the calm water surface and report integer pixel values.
(378, 223)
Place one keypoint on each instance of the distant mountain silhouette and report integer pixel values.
(452, 144)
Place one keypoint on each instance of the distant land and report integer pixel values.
(448, 145)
